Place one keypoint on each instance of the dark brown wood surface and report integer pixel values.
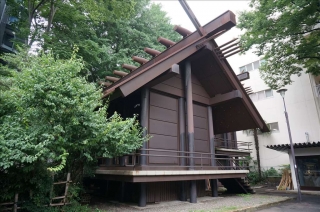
(163, 127)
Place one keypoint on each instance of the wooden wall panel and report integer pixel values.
(160, 100)
(163, 127)
(163, 160)
(201, 133)
(162, 114)
(200, 122)
(163, 142)
(199, 110)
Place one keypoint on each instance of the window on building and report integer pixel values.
(269, 93)
(243, 69)
(274, 127)
(261, 95)
(251, 66)
(256, 65)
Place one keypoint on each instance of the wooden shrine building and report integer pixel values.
(191, 103)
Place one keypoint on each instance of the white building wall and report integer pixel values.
(303, 112)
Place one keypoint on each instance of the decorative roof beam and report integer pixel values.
(162, 62)
(166, 42)
(120, 73)
(182, 31)
(113, 79)
(152, 52)
(220, 98)
(228, 47)
(219, 47)
(129, 67)
(226, 56)
(139, 60)
(200, 45)
(192, 17)
(231, 50)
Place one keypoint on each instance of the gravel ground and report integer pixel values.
(219, 204)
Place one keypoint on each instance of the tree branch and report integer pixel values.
(40, 4)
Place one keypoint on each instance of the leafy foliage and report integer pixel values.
(107, 32)
(287, 34)
(52, 120)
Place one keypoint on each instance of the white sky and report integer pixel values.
(205, 11)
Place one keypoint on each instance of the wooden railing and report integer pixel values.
(201, 160)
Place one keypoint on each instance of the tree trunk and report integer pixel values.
(256, 143)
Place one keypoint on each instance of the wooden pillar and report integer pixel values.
(145, 95)
(182, 130)
(213, 182)
(122, 160)
(214, 187)
(188, 95)
(143, 195)
(109, 161)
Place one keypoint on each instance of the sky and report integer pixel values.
(205, 11)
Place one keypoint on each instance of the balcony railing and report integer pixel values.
(233, 144)
(182, 160)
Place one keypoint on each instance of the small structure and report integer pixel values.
(191, 103)
(308, 163)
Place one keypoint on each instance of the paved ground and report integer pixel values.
(205, 204)
(266, 200)
(309, 203)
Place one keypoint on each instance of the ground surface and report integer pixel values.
(219, 204)
(309, 203)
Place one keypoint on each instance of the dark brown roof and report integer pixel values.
(209, 65)
(285, 147)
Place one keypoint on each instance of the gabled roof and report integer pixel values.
(286, 147)
(230, 101)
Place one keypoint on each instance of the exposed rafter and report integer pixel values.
(139, 60)
(113, 79)
(129, 67)
(120, 73)
(152, 52)
(166, 42)
(182, 31)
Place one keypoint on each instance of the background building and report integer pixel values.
(7, 34)
(303, 105)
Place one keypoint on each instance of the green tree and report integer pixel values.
(52, 119)
(107, 32)
(287, 34)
